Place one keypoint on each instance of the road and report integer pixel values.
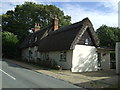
(14, 76)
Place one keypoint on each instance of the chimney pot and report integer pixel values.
(37, 27)
(55, 23)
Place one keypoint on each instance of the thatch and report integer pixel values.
(62, 39)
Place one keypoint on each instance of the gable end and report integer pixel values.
(86, 39)
(86, 28)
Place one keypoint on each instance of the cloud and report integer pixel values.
(97, 17)
(10, 4)
(78, 12)
(6, 6)
(112, 4)
(21, 1)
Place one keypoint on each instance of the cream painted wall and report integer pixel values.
(84, 59)
(55, 55)
(117, 50)
(65, 64)
(34, 53)
(105, 60)
(25, 53)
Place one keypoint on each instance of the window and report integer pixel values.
(103, 54)
(63, 56)
(36, 53)
(99, 59)
(47, 56)
(86, 41)
(30, 55)
(35, 39)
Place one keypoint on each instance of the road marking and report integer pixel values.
(7, 74)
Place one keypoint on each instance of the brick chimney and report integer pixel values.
(37, 27)
(55, 23)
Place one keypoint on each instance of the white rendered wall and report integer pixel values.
(105, 60)
(65, 64)
(55, 55)
(25, 53)
(84, 59)
(118, 57)
(34, 56)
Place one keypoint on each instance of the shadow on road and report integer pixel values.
(23, 64)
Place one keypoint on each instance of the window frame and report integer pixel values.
(86, 41)
(63, 55)
(35, 39)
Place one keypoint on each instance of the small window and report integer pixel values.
(99, 59)
(86, 41)
(30, 54)
(103, 54)
(47, 56)
(35, 39)
(63, 56)
(36, 53)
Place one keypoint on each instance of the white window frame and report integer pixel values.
(35, 39)
(86, 41)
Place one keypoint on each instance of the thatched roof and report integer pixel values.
(30, 40)
(62, 39)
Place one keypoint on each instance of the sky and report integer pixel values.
(100, 12)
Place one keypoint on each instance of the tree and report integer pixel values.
(23, 18)
(9, 44)
(108, 35)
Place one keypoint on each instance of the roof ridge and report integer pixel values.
(66, 28)
(76, 23)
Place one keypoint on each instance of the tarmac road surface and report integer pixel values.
(14, 76)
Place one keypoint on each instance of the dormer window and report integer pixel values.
(35, 39)
(86, 41)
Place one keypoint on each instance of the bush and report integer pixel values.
(10, 44)
(49, 63)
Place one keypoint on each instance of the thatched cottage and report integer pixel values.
(73, 47)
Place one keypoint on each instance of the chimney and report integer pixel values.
(37, 27)
(55, 23)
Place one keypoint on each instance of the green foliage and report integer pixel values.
(9, 44)
(23, 18)
(49, 63)
(108, 35)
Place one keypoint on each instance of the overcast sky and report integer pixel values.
(98, 12)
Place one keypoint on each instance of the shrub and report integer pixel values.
(10, 44)
(49, 63)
